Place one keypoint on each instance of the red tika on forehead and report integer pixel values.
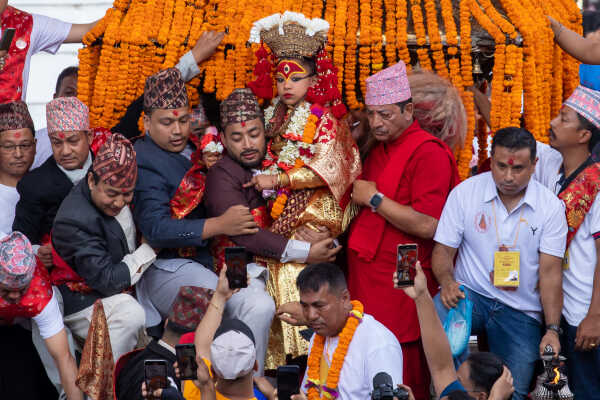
(511, 161)
(176, 113)
(61, 135)
(288, 68)
(17, 135)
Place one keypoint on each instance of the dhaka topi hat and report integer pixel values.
(388, 86)
(15, 115)
(189, 308)
(240, 106)
(115, 162)
(165, 90)
(17, 261)
(586, 102)
(67, 114)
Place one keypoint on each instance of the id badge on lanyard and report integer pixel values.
(506, 274)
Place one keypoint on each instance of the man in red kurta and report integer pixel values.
(406, 179)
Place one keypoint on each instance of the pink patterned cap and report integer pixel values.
(388, 86)
(66, 114)
(586, 102)
(17, 261)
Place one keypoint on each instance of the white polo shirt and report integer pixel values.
(467, 223)
(547, 166)
(578, 279)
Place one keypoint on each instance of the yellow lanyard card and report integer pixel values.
(506, 268)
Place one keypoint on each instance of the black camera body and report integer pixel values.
(386, 392)
(383, 388)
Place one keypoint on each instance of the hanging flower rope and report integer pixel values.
(531, 74)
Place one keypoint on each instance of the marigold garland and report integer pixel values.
(329, 387)
(138, 37)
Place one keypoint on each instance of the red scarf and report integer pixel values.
(35, 299)
(579, 196)
(368, 227)
(11, 76)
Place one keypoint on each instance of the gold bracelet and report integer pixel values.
(215, 306)
(283, 180)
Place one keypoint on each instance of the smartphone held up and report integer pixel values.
(288, 381)
(186, 361)
(406, 264)
(155, 372)
(236, 259)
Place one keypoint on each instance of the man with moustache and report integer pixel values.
(43, 189)
(502, 237)
(168, 206)
(574, 133)
(406, 179)
(17, 150)
(226, 186)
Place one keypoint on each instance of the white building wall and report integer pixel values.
(45, 67)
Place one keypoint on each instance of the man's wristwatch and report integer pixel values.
(375, 201)
(554, 328)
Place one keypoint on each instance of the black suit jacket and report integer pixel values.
(129, 382)
(41, 192)
(93, 245)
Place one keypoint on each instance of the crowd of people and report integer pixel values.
(114, 242)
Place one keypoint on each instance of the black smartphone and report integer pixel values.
(406, 263)
(236, 259)
(186, 360)
(7, 37)
(288, 381)
(155, 372)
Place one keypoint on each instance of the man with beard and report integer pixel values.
(245, 141)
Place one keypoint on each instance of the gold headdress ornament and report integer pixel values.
(291, 35)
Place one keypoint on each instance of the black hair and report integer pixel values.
(484, 370)
(311, 64)
(69, 71)
(459, 395)
(515, 139)
(95, 176)
(591, 22)
(586, 125)
(403, 104)
(314, 276)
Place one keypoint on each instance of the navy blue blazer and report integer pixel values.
(159, 175)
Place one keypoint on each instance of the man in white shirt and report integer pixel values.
(510, 234)
(26, 293)
(574, 133)
(328, 311)
(17, 150)
(34, 33)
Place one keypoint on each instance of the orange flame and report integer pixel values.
(556, 377)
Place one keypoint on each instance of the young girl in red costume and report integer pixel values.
(311, 158)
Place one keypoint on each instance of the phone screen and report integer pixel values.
(186, 360)
(288, 381)
(156, 374)
(236, 259)
(406, 263)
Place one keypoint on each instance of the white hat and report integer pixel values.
(232, 352)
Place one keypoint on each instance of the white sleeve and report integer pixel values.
(554, 231)
(139, 261)
(50, 320)
(387, 359)
(594, 214)
(188, 67)
(296, 251)
(451, 227)
(48, 34)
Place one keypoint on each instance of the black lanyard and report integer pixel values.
(564, 182)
